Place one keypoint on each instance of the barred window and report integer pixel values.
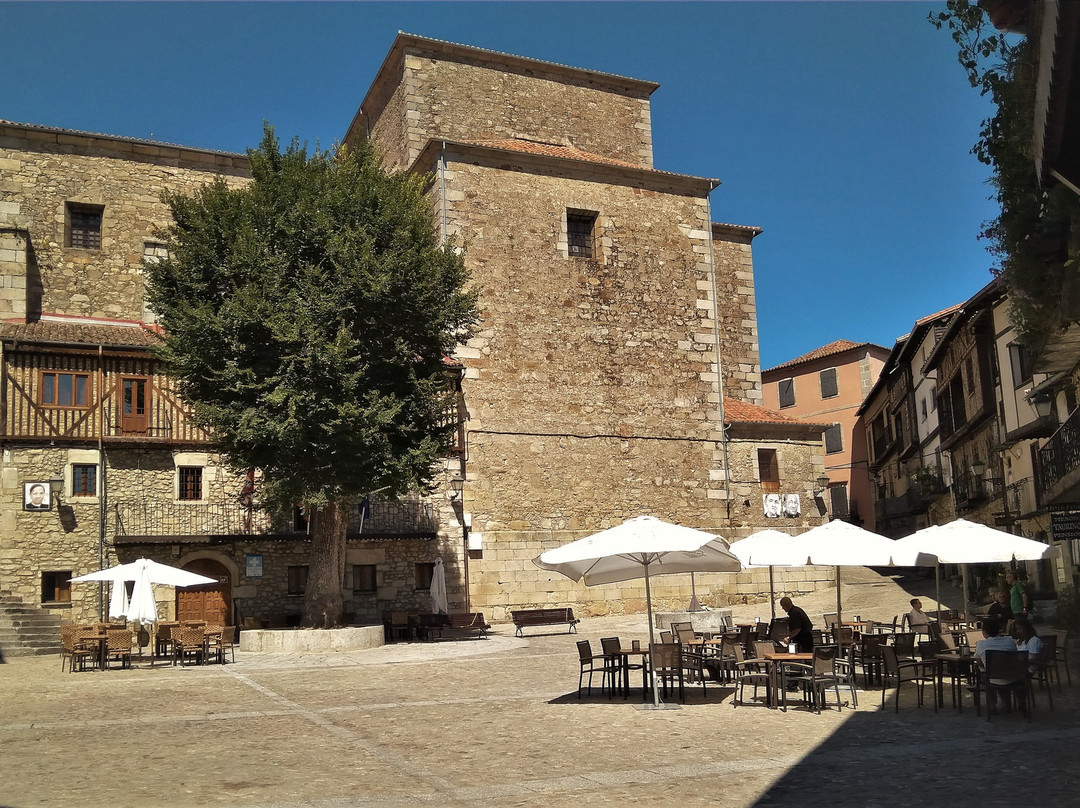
(579, 232)
(84, 226)
(190, 483)
(84, 480)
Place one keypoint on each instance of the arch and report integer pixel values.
(210, 602)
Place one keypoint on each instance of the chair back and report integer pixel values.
(950, 614)
(889, 661)
(228, 635)
(971, 638)
(904, 644)
(934, 630)
(778, 629)
(119, 638)
(761, 630)
(843, 635)
(744, 634)
(870, 646)
(665, 637)
(665, 656)
(190, 636)
(830, 620)
(948, 640)
(610, 645)
(67, 636)
(685, 635)
(737, 653)
(676, 627)
(584, 650)
(1048, 648)
(1006, 666)
(928, 649)
(763, 647)
(823, 660)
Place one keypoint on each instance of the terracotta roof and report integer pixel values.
(79, 332)
(743, 412)
(552, 150)
(833, 348)
(943, 313)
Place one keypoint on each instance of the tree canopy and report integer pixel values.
(307, 317)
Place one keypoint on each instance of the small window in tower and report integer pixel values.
(580, 227)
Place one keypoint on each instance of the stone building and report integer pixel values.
(615, 371)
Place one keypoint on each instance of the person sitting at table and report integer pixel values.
(800, 629)
(1027, 639)
(917, 618)
(1000, 607)
(992, 639)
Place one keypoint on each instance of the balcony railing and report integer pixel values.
(1020, 498)
(407, 517)
(1061, 454)
(970, 488)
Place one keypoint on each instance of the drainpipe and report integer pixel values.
(719, 366)
(442, 187)
(102, 504)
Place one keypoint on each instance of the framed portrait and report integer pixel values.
(792, 506)
(772, 505)
(37, 495)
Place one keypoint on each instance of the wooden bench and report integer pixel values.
(544, 617)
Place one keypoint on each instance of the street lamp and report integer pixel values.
(457, 485)
(822, 484)
(978, 468)
(1043, 402)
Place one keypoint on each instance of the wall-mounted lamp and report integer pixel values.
(457, 485)
(821, 484)
(56, 486)
(1043, 402)
(978, 468)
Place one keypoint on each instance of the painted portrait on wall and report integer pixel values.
(792, 506)
(773, 506)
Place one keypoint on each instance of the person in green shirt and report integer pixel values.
(1019, 601)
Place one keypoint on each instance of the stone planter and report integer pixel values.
(301, 640)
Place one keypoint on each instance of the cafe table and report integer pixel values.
(624, 655)
(101, 639)
(777, 683)
(961, 667)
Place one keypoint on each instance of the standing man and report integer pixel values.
(800, 629)
(1019, 601)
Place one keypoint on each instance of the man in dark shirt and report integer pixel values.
(800, 629)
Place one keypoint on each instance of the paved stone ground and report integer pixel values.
(498, 723)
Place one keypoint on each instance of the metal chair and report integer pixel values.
(747, 671)
(587, 659)
(818, 677)
(1007, 675)
(916, 671)
(667, 667)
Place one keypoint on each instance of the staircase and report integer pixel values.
(27, 630)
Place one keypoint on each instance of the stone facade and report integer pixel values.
(615, 371)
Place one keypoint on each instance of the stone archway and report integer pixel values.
(210, 602)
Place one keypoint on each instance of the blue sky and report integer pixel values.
(842, 129)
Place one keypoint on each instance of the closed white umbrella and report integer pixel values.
(118, 602)
(642, 546)
(143, 606)
(438, 589)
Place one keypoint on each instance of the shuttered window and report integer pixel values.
(834, 439)
(827, 379)
(84, 226)
(786, 390)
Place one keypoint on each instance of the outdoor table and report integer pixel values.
(624, 655)
(709, 646)
(777, 684)
(961, 666)
(102, 641)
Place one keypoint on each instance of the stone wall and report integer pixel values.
(429, 90)
(42, 171)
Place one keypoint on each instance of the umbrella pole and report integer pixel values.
(648, 609)
(772, 593)
(964, 583)
(839, 616)
(937, 587)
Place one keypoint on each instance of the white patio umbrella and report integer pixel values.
(438, 589)
(963, 542)
(769, 548)
(842, 544)
(642, 546)
(144, 573)
(118, 602)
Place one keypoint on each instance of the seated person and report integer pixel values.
(917, 618)
(1000, 607)
(1027, 639)
(992, 639)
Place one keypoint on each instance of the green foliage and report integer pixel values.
(307, 316)
(1068, 609)
(928, 480)
(1023, 238)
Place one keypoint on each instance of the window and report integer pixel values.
(297, 580)
(423, 573)
(55, 587)
(1022, 364)
(768, 470)
(827, 379)
(84, 226)
(84, 480)
(838, 499)
(834, 439)
(190, 482)
(969, 372)
(785, 389)
(65, 389)
(933, 400)
(579, 232)
(364, 578)
(922, 409)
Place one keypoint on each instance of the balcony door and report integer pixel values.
(135, 405)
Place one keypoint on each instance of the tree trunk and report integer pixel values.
(326, 567)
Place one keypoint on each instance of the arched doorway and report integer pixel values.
(210, 602)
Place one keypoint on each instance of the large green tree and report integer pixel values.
(307, 316)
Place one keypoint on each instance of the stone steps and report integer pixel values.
(27, 630)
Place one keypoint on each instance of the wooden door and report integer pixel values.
(210, 602)
(135, 400)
